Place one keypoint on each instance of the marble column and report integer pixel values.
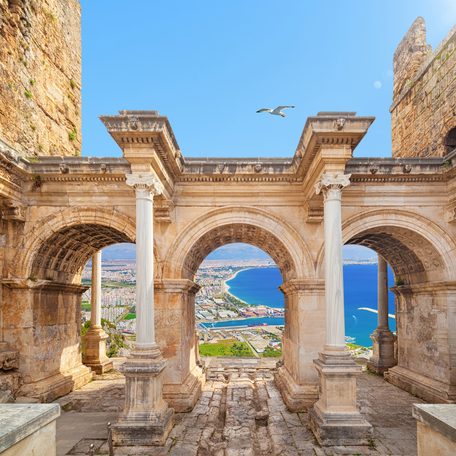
(95, 339)
(335, 418)
(146, 420)
(383, 339)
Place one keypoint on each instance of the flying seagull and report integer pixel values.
(276, 111)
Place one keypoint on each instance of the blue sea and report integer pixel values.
(259, 286)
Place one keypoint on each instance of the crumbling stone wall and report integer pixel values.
(40, 76)
(424, 95)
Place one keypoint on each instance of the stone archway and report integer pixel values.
(46, 283)
(304, 327)
(421, 255)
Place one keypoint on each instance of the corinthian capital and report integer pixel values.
(331, 184)
(145, 182)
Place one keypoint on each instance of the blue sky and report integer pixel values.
(208, 65)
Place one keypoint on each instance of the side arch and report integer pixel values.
(238, 224)
(416, 248)
(59, 244)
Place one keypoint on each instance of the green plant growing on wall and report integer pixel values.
(73, 134)
(28, 94)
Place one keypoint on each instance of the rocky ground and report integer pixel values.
(240, 413)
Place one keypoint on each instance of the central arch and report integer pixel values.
(304, 329)
(239, 224)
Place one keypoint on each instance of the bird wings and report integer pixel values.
(279, 108)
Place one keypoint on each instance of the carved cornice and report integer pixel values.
(149, 129)
(388, 178)
(240, 178)
(82, 178)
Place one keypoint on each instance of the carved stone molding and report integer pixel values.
(314, 211)
(163, 210)
(12, 210)
(451, 213)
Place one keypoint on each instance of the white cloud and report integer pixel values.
(377, 85)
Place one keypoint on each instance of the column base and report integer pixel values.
(51, 388)
(335, 418)
(95, 351)
(383, 351)
(339, 430)
(137, 437)
(297, 398)
(147, 419)
(182, 397)
(430, 390)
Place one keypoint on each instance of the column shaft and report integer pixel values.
(145, 324)
(95, 298)
(334, 282)
(382, 293)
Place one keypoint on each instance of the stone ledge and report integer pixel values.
(18, 421)
(423, 387)
(440, 417)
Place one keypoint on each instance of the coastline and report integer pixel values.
(226, 287)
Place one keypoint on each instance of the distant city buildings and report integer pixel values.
(213, 302)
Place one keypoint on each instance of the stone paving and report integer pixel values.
(240, 413)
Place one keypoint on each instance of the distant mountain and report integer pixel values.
(119, 252)
(236, 251)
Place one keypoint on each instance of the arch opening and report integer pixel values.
(419, 253)
(239, 308)
(361, 270)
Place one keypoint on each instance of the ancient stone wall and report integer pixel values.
(40, 76)
(424, 95)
